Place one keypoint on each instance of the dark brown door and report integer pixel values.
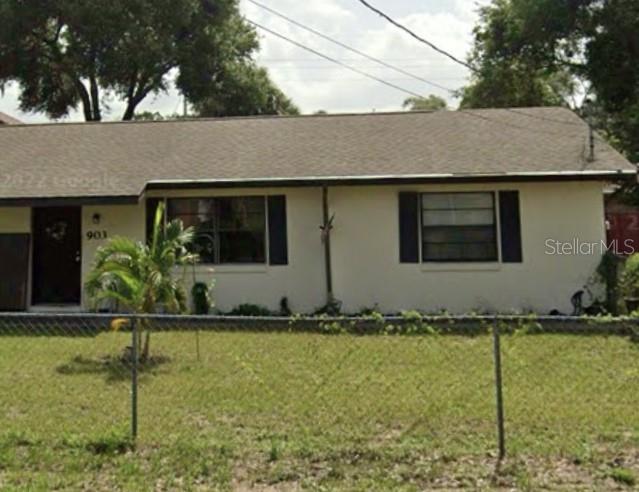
(14, 271)
(56, 255)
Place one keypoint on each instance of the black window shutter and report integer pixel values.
(510, 227)
(151, 208)
(409, 227)
(277, 235)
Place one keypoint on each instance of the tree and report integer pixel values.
(149, 116)
(65, 54)
(157, 116)
(244, 89)
(512, 66)
(140, 277)
(430, 103)
(547, 52)
(517, 85)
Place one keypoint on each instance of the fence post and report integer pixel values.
(134, 378)
(498, 390)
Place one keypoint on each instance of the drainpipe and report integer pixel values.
(326, 235)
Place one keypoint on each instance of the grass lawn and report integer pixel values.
(284, 411)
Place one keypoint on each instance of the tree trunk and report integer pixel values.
(95, 99)
(86, 100)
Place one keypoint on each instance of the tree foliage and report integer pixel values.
(245, 90)
(141, 277)
(66, 54)
(430, 103)
(550, 52)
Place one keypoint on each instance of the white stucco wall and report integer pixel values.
(365, 251)
(302, 281)
(115, 220)
(15, 220)
(366, 268)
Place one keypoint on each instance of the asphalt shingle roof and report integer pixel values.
(120, 159)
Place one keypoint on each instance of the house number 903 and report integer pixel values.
(96, 235)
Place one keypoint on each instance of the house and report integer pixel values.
(492, 210)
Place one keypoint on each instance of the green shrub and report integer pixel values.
(607, 276)
(414, 324)
(248, 309)
(368, 311)
(630, 277)
(333, 307)
(201, 298)
(285, 309)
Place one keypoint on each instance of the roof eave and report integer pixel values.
(68, 201)
(609, 176)
(616, 175)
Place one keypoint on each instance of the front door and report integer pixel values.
(56, 255)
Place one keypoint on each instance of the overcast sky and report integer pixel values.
(314, 83)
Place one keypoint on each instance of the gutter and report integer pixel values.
(391, 179)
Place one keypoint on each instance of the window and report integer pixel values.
(227, 229)
(458, 227)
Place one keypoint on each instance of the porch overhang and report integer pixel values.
(69, 201)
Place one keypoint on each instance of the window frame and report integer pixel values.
(495, 227)
(264, 199)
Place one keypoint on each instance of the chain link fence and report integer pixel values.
(303, 397)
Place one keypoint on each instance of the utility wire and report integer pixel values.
(407, 91)
(416, 36)
(382, 62)
(345, 46)
(334, 60)
(400, 60)
(454, 58)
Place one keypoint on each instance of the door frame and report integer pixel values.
(32, 262)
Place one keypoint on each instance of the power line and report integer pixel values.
(334, 60)
(407, 91)
(389, 84)
(345, 46)
(380, 61)
(416, 36)
(452, 57)
(402, 60)
(358, 63)
(341, 79)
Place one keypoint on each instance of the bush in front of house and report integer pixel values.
(630, 283)
(248, 309)
(202, 302)
(140, 277)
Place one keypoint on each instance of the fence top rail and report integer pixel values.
(17, 316)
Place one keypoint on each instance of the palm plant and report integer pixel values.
(141, 277)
